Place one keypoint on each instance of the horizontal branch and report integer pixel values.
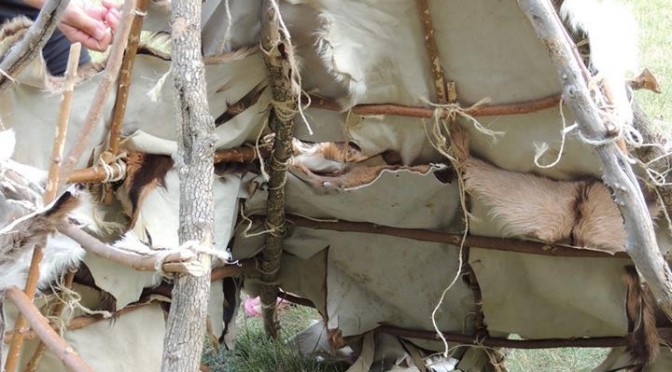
(228, 271)
(93, 174)
(47, 334)
(296, 299)
(547, 343)
(500, 244)
(517, 108)
(82, 321)
(177, 261)
(96, 174)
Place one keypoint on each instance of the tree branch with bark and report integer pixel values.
(183, 342)
(283, 74)
(641, 244)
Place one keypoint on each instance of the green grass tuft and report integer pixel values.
(254, 352)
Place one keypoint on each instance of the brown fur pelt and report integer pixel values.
(580, 213)
(643, 338)
(337, 165)
(11, 32)
(34, 227)
(144, 172)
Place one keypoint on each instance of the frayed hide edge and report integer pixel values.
(643, 338)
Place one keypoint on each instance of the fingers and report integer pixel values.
(77, 35)
(112, 19)
(89, 24)
(112, 15)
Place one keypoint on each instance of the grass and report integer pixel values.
(655, 20)
(255, 353)
(555, 360)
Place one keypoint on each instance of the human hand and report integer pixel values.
(89, 23)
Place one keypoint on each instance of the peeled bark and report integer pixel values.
(183, 343)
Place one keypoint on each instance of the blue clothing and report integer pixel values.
(56, 51)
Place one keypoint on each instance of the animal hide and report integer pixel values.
(643, 338)
(144, 173)
(19, 238)
(613, 48)
(339, 166)
(580, 213)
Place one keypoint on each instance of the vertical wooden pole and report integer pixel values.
(183, 343)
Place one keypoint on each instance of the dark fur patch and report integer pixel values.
(231, 288)
(145, 172)
(643, 338)
(243, 104)
(84, 277)
(581, 197)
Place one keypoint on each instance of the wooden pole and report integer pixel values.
(641, 244)
(48, 197)
(183, 342)
(278, 56)
(516, 108)
(175, 262)
(53, 181)
(503, 342)
(499, 244)
(110, 74)
(124, 85)
(41, 326)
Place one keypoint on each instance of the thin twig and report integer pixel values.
(517, 108)
(33, 41)
(84, 321)
(499, 244)
(641, 244)
(110, 74)
(432, 51)
(53, 182)
(548, 343)
(41, 326)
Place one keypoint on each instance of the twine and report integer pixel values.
(160, 258)
(246, 233)
(153, 93)
(456, 162)
(262, 162)
(198, 248)
(542, 148)
(452, 111)
(287, 110)
(139, 13)
(72, 301)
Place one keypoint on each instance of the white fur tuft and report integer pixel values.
(7, 143)
(612, 32)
